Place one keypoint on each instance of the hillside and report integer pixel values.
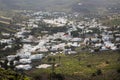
(61, 5)
(11, 75)
(83, 66)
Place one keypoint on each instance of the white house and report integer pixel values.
(98, 45)
(36, 56)
(24, 67)
(11, 57)
(43, 66)
(6, 41)
(25, 61)
(76, 39)
(24, 55)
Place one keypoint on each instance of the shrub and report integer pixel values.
(99, 72)
(89, 65)
(12, 75)
(107, 62)
(93, 74)
(118, 70)
(57, 76)
(118, 59)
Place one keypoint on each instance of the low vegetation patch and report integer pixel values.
(91, 65)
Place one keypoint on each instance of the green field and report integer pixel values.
(84, 66)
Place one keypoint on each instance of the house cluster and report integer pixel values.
(25, 57)
(79, 36)
(61, 21)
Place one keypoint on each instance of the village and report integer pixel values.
(47, 34)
